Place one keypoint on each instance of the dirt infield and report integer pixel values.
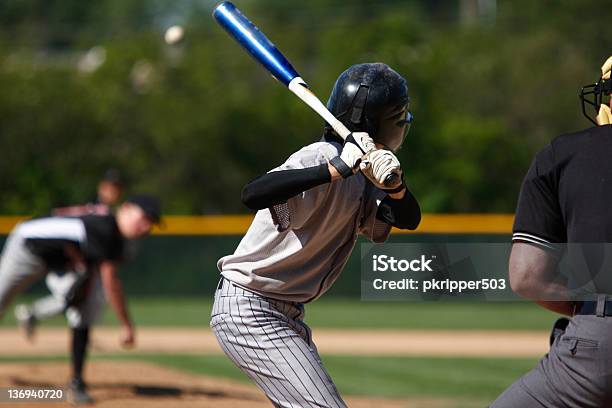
(340, 342)
(138, 384)
(133, 384)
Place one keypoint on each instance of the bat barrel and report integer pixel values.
(254, 41)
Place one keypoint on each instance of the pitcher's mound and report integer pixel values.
(131, 384)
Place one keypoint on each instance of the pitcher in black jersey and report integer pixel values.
(89, 245)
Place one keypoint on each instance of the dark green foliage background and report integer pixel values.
(486, 95)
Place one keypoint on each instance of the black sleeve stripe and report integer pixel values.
(524, 237)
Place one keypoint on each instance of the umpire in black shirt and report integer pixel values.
(566, 197)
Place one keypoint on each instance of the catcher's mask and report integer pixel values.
(595, 95)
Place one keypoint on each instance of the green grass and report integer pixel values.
(347, 314)
(386, 376)
(470, 379)
(435, 377)
(5, 359)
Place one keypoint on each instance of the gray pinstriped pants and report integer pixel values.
(268, 340)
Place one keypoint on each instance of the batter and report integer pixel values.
(311, 209)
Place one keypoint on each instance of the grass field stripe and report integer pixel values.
(238, 224)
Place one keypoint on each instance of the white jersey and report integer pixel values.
(296, 250)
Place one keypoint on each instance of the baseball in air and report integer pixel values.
(174, 35)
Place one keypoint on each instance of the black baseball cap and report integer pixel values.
(114, 176)
(149, 204)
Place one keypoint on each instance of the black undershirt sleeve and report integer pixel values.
(278, 186)
(404, 213)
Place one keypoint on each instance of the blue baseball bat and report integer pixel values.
(254, 41)
(239, 27)
(257, 44)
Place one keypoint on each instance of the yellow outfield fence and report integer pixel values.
(238, 224)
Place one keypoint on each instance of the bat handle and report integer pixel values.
(392, 180)
(300, 89)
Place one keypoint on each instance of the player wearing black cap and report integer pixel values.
(109, 191)
(90, 246)
(566, 198)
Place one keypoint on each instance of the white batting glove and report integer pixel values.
(355, 147)
(378, 165)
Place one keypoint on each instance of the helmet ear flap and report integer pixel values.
(359, 104)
